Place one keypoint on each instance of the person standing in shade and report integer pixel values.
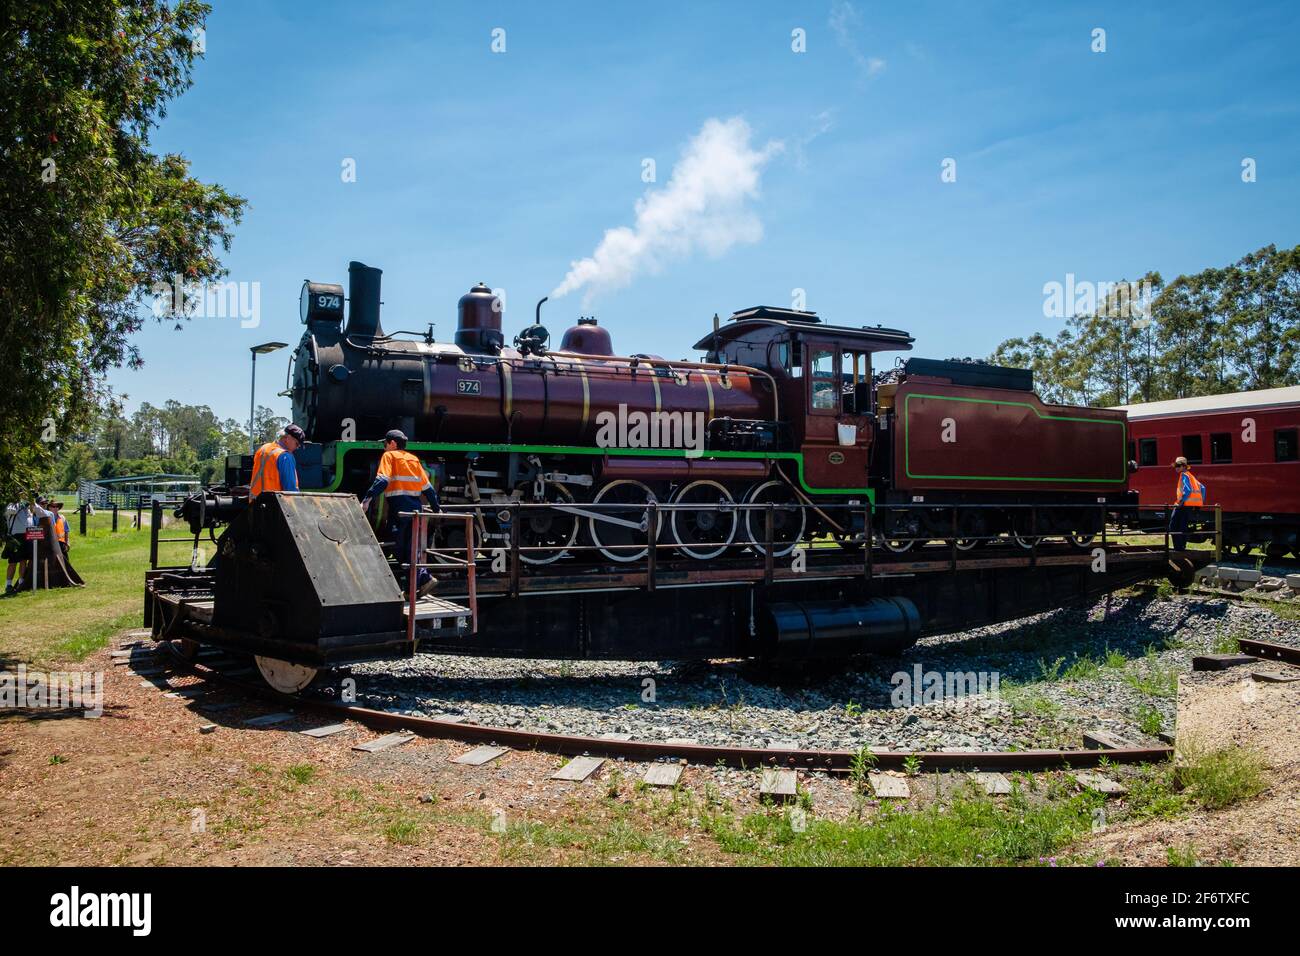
(1188, 493)
(18, 518)
(273, 464)
(402, 480)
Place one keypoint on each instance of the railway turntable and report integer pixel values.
(301, 583)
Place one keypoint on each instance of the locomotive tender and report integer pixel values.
(792, 414)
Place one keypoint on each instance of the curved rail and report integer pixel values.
(834, 761)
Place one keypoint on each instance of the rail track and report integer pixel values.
(830, 761)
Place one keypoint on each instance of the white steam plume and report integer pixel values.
(704, 206)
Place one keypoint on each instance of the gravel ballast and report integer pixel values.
(1041, 681)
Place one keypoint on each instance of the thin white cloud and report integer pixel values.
(823, 123)
(705, 206)
(844, 21)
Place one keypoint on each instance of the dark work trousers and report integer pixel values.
(1178, 526)
(396, 505)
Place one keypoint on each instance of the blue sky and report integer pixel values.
(506, 167)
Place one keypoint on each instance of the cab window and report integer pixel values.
(855, 382)
(821, 366)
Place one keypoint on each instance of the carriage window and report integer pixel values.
(1147, 451)
(822, 367)
(1284, 444)
(1192, 449)
(1221, 448)
(796, 359)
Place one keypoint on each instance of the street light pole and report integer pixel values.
(252, 404)
(256, 350)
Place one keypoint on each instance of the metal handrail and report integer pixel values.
(419, 547)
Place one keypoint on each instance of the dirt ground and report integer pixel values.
(1218, 709)
(145, 785)
(142, 785)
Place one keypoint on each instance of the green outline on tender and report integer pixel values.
(343, 447)
(907, 451)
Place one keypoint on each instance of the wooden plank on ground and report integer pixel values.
(578, 769)
(889, 787)
(1221, 662)
(1104, 785)
(328, 730)
(267, 720)
(480, 755)
(994, 784)
(778, 784)
(1276, 677)
(383, 743)
(1103, 740)
(663, 774)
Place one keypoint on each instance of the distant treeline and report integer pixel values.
(173, 439)
(1220, 330)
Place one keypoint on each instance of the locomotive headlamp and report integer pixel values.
(320, 302)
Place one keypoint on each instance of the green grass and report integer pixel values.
(969, 830)
(1181, 856)
(70, 623)
(1153, 677)
(1149, 720)
(1218, 778)
(1227, 643)
(301, 773)
(1029, 700)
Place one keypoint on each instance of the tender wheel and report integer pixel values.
(902, 532)
(285, 677)
(709, 526)
(1020, 525)
(899, 545)
(972, 530)
(623, 534)
(1081, 541)
(546, 528)
(788, 519)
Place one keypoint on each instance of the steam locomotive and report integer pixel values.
(783, 409)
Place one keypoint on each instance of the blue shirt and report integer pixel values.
(288, 472)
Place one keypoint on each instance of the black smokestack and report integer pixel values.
(363, 300)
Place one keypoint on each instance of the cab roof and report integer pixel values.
(876, 338)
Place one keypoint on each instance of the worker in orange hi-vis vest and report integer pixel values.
(273, 464)
(61, 526)
(402, 480)
(1188, 493)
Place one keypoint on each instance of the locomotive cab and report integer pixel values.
(823, 375)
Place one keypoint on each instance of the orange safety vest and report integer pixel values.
(61, 528)
(1197, 497)
(405, 473)
(266, 469)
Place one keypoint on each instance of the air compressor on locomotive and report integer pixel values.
(794, 413)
